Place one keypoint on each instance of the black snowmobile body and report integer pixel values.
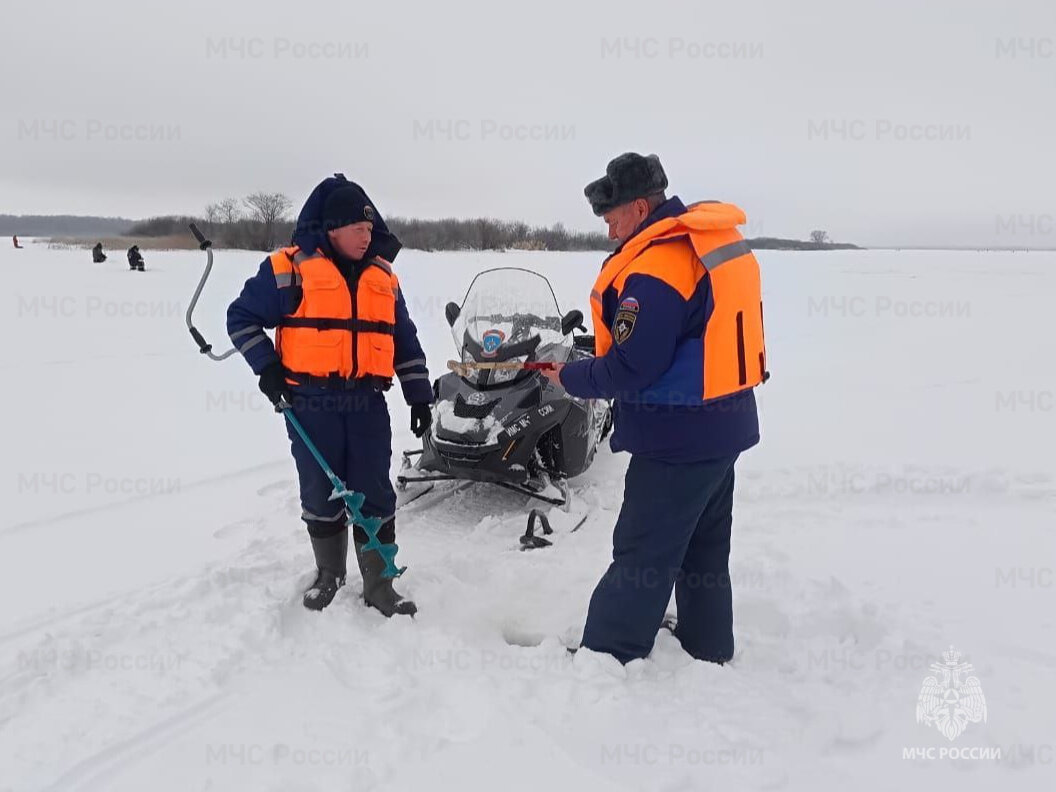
(514, 429)
(526, 435)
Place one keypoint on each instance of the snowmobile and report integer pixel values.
(509, 426)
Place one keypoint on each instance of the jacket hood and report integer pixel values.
(309, 233)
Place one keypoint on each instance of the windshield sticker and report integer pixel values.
(491, 341)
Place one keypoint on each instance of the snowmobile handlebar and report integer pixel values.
(526, 319)
(463, 368)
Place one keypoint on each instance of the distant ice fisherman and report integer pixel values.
(135, 259)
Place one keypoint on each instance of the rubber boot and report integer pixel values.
(330, 560)
(377, 590)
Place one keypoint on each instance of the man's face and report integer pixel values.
(624, 219)
(352, 241)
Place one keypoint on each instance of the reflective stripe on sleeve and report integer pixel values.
(252, 343)
(410, 363)
(245, 331)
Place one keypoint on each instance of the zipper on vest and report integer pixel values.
(353, 292)
(742, 367)
(764, 375)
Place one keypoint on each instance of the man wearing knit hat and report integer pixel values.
(677, 313)
(342, 335)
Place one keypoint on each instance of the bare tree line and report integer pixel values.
(259, 229)
(262, 221)
(485, 234)
(257, 222)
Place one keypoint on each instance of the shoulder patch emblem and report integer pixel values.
(624, 325)
(629, 304)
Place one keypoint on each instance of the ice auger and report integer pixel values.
(353, 500)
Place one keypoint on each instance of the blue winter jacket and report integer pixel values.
(669, 433)
(260, 305)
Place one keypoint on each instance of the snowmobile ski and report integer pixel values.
(532, 541)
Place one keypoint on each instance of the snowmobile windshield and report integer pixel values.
(510, 315)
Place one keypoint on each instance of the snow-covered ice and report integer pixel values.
(152, 559)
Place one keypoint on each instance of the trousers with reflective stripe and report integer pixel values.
(326, 331)
(351, 429)
(731, 355)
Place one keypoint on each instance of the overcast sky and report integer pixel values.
(891, 122)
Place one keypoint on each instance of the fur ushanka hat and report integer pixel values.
(626, 178)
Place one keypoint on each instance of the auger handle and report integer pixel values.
(203, 243)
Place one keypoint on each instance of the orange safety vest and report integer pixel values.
(731, 355)
(329, 334)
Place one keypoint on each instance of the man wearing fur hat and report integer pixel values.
(679, 348)
(343, 334)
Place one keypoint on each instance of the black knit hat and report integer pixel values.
(345, 206)
(626, 178)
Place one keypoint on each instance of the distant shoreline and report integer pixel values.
(170, 233)
(187, 242)
(86, 230)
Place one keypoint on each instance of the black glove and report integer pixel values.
(273, 383)
(421, 418)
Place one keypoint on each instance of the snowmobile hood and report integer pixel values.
(309, 232)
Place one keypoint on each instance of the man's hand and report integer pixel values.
(553, 374)
(273, 383)
(421, 418)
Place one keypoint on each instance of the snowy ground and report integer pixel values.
(151, 556)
